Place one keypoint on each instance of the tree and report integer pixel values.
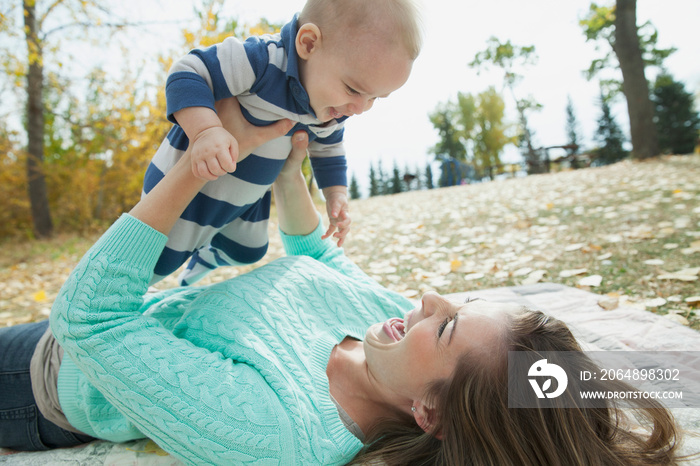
(491, 137)
(36, 182)
(635, 48)
(396, 181)
(571, 128)
(444, 120)
(645, 141)
(373, 182)
(676, 120)
(572, 133)
(45, 24)
(477, 133)
(608, 135)
(99, 130)
(354, 188)
(382, 184)
(509, 58)
(429, 184)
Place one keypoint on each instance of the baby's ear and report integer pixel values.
(308, 40)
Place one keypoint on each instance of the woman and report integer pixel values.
(305, 360)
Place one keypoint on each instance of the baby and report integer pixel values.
(332, 61)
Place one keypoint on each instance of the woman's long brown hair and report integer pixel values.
(478, 428)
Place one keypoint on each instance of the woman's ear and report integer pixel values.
(308, 40)
(426, 419)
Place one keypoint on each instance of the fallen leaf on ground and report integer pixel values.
(686, 275)
(608, 302)
(534, 277)
(656, 302)
(40, 296)
(591, 280)
(572, 272)
(677, 318)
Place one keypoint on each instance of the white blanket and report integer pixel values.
(624, 328)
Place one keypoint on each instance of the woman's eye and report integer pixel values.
(442, 326)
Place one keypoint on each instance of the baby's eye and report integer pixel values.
(351, 90)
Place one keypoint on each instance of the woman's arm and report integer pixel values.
(164, 204)
(296, 211)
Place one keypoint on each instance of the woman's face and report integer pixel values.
(406, 355)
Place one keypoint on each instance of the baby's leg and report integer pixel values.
(243, 241)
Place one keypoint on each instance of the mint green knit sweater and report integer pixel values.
(230, 373)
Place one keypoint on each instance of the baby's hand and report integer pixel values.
(338, 214)
(214, 153)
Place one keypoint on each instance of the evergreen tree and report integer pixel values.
(354, 188)
(608, 135)
(418, 182)
(676, 120)
(571, 127)
(572, 132)
(373, 182)
(429, 177)
(396, 181)
(382, 184)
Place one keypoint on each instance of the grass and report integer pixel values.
(630, 223)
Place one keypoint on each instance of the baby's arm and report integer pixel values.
(214, 149)
(338, 212)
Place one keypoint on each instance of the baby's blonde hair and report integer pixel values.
(401, 17)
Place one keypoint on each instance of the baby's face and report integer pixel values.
(344, 79)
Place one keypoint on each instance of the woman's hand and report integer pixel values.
(249, 136)
(296, 211)
(292, 167)
(179, 186)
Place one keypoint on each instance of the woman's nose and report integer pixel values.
(430, 303)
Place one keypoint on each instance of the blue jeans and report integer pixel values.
(22, 426)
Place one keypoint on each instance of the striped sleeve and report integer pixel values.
(327, 156)
(204, 76)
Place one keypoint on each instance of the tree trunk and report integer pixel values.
(645, 142)
(36, 182)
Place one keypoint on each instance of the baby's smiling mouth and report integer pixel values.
(334, 113)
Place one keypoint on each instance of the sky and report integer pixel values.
(397, 129)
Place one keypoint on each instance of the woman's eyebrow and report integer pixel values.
(470, 299)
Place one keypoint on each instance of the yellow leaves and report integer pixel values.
(189, 38)
(40, 296)
(149, 447)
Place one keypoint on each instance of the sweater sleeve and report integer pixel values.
(194, 403)
(325, 251)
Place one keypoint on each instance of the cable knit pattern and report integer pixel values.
(232, 373)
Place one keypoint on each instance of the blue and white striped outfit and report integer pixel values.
(226, 223)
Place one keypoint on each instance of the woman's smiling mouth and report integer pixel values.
(394, 328)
